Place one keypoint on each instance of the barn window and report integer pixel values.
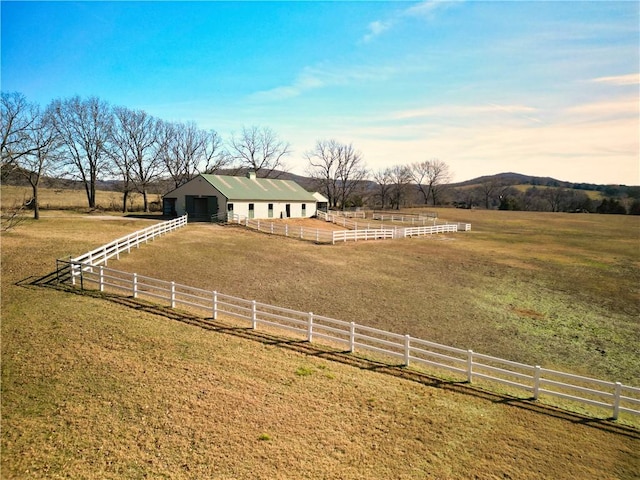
(304, 209)
(229, 207)
(251, 210)
(271, 210)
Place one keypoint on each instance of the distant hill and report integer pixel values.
(511, 178)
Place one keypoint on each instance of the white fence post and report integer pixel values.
(215, 305)
(254, 315)
(616, 400)
(101, 278)
(536, 381)
(469, 365)
(310, 327)
(407, 349)
(173, 294)
(352, 337)
(135, 285)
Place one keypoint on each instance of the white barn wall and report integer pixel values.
(261, 209)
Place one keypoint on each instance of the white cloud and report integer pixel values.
(470, 111)
(428, 7)
(629, 79)
(311, 78)
(376, 28)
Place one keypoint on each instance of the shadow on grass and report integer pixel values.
(56, 280)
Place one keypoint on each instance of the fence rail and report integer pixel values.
(471, 366)
(113, 249)
(358, 230)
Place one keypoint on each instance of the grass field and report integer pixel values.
(97, 389)
(68, 199)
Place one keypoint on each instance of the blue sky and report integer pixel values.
(541, 88)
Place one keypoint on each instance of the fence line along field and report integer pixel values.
(94, 388)
(558, 290)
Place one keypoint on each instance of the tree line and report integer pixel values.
(87, 139)
(498, 194)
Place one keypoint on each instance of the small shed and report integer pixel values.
(206, 196)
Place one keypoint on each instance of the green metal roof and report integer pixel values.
(243, 188)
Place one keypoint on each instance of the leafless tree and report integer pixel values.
(259, 149)
(85, 128)
(338, 170)
(430, 177)
(187, 151)
(400, 178)
(134, 137)
(30, 143)
(44, 156)
(17, 121)
(383, 178)
(214, 156)
(121, 158)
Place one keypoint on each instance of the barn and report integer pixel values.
(246, 196)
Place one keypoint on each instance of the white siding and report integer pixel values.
(261, 209)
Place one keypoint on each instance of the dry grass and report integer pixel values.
(70, 199)
(97, 389)
(557, 290)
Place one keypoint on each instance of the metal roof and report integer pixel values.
(243, 188)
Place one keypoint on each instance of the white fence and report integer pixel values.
(358, 230)
(400, 232)
(535, 381)
(412, 219)
(113, 249)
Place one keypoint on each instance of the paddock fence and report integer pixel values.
(357, 230)
(102, 254)
(533, 381)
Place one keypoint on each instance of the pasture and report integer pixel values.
(71, 199)
(95, 388)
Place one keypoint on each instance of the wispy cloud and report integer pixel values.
(629, 79)
(450, 111)
(429, 7)
(311, 78)
(424, 9)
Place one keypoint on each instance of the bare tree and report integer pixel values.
(337, 168)
(135, 136)
(384, 180)
(430, 177)
(400, 177)
(30, 143)
(85, 128)
(419, 173)
(187, 151)
(121, 155)
(17, 121)
(214, 156)
(259, 149)
(44, 156)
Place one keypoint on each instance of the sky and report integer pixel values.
(543, 88)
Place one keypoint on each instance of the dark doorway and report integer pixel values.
(169, 207)
(201, 208)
